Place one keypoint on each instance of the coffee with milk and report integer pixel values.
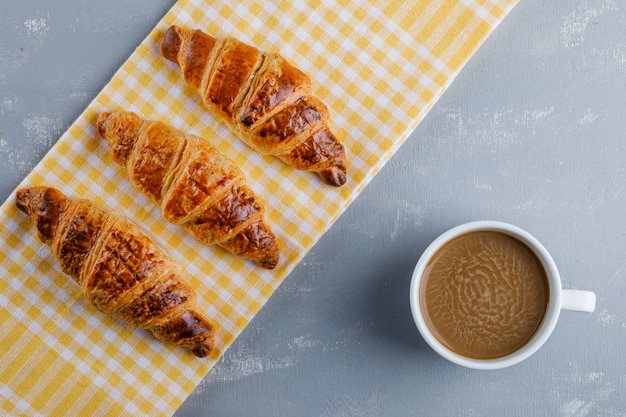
(484, 294)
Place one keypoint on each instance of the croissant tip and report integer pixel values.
(269, 262)
(100, 123)
(170, 43)
(202, 350)
(26, 199)
(335, 175)
(22, 199)
(44, 206)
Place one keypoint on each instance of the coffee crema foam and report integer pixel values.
(484, 294)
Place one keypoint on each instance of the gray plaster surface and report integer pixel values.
(531, 132)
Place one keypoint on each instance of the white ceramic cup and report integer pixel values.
(560, 299)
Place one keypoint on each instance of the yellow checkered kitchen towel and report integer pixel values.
(379, 67)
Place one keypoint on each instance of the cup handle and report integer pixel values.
(577, 300)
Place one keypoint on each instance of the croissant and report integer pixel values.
(195, 185)
(262, 98)
(120, 270)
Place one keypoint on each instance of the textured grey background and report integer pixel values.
(531, 132)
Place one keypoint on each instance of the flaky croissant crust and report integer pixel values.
(262, 98)
(120, 270)
(196, 186)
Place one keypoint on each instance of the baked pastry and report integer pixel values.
(195, 185)
(262, 98)
(120, 270)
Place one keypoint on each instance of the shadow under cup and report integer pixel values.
(487, 295)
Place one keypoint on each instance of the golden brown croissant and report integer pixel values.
(120, 270)
(195, 185)
(262, 98)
